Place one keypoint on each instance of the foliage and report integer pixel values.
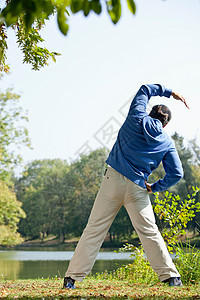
(174, 214)
(188, 262)
(40, 190)
(186, 157)
(9, 236)
(10, 214)
(88, 173)
(93, 288)
(121, 228)
(28, 42)
(139, 270)
(3, 48)
(56, 197)
(37, 9)
(27, 18)
(195, 149)
(13, 133)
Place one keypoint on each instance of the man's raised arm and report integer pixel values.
(143, 95)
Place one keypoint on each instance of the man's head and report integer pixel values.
(162, 113)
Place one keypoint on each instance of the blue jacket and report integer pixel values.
(142, 144)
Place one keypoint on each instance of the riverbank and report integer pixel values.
(53, 243)
(92, 288)
(70, 244)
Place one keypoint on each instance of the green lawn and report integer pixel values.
(92, 288)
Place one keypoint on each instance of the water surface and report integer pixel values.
(38, 264)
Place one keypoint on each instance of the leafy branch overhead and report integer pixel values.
(27, 18)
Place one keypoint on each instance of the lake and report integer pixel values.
(37, 264)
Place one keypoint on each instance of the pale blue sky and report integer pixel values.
(101, 66)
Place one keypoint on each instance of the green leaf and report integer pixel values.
(47, 7)
(28, 19)
(96, 6)
(13, 8)
(76, 6)
(86, 8)
(131, 6)
(9, 19)
(62, 21)
(114, 10)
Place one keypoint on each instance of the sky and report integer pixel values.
(79, 103)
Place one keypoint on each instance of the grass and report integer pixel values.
(92, 288)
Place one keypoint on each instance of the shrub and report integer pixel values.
(174, 214)
(188, 263)
(139, 270)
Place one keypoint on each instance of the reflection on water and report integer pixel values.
(38, 264)
(45, 269)
(10, 269)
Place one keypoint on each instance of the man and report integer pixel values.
(140, 147)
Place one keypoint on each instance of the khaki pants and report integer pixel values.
(116, 190)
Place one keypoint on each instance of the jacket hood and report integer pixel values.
(153, 130)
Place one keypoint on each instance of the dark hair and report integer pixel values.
(162, 113)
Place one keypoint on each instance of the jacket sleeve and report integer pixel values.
(174, 171)
(142, 97)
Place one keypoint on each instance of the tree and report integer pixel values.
(195, 149)
(121, 227)
(10, 214)
(56, 197)
(186, 157)
(58, 190)
(27, 18)
(88, 173)
(42, 191)
(13, 133)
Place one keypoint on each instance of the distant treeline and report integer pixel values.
(57, 197)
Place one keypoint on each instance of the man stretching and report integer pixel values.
(140, 147)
